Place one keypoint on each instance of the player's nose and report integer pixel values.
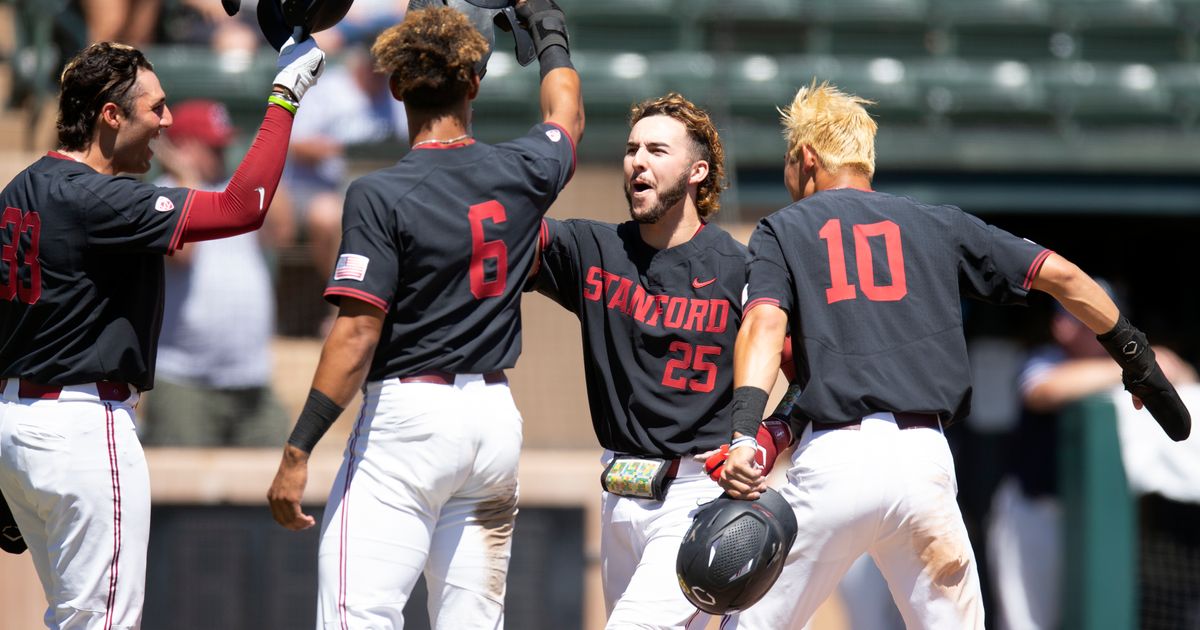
(167, 119)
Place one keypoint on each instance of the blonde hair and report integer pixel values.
(430, 56)
(834, 124)
(703, 133)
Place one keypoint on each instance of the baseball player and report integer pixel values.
(659, 301)
(80, 307)
(870, 287)
(428, 281)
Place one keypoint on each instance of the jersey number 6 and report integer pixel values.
(841, 288)
(482, 250)
(15, 224)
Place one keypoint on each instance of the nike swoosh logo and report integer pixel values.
(696, 284)
(262, 196)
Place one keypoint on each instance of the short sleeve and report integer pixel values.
(550, 153)
(123, 213)
(368, 263)
(558, 275)
(768, 280)
(995, 265)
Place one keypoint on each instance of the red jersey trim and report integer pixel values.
(60, 156)
(700, 229)
(574, 155)
(759, 302)
(1035, 268)
(359, 295)
(544, 236)
(435, 145)
(177, 236)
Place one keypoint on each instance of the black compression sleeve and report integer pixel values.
(318, 415)
(749, 403)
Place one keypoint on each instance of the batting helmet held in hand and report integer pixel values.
(278, 19)
(487, 16)
(734, 551)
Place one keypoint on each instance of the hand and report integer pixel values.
(300, 65)
(742, 478)
(287, 490)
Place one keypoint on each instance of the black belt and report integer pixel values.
(904, 420)
(438, 377)
(108, 390)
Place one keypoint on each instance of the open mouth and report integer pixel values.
(640, 187)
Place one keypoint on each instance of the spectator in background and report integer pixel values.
(352, 105)
(131, 22)
(1024, 534)
(213, 380)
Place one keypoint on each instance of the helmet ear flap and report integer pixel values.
(734, 551)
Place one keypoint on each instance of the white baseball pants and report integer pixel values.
(884, 491)
(75, 476)
(639, 542)
(428, 484)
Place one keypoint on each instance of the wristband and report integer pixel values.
(284, 102)
(749, 403)
(318, 415)
(553, 58)
(745, 440)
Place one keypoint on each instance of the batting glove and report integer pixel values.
(300, 64)
(774, 436)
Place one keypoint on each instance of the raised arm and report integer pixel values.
(561, 98)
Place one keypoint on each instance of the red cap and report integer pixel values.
(204, 120)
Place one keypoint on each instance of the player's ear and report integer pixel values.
(394, 86)
(809, 159)
(698, 173)
(474, 91)
(111, 115)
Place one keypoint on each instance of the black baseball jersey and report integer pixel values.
(443, 241)
(873, 285)
(658, 330)
(81, 273)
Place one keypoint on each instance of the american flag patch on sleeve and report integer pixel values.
(351, 267)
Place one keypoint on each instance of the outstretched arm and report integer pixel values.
(561, 98)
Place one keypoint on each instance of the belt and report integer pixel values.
(438, 377)
(108, 390)
(904, 420)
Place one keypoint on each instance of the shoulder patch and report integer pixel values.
(351, 267)
(162, 204)
(554, 134)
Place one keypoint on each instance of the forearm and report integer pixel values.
(756, 364)
(1071, 381)
(241, 207)
(1078, 293)
(562, 101)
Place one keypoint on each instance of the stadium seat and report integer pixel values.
(624, 25)
(1183, 83)
(979, 93)
(1109, 94)
(997, 29)
(196, 72)
(1145, 31)
(868, 10)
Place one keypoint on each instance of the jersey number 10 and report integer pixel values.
(15, 224)
(831, 233)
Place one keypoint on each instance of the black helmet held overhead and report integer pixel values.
(734, 551)
(279, 19)
(486, 16)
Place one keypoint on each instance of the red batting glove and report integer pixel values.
(774, 436)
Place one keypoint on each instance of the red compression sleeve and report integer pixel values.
(242, 206)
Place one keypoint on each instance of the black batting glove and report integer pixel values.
(1144, 378)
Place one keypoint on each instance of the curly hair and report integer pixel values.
(835, 124)
(430, 56)
(706, 142)
(102, 73)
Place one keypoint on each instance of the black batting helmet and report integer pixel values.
(278, 19)
(487, 16)
(734, 551)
